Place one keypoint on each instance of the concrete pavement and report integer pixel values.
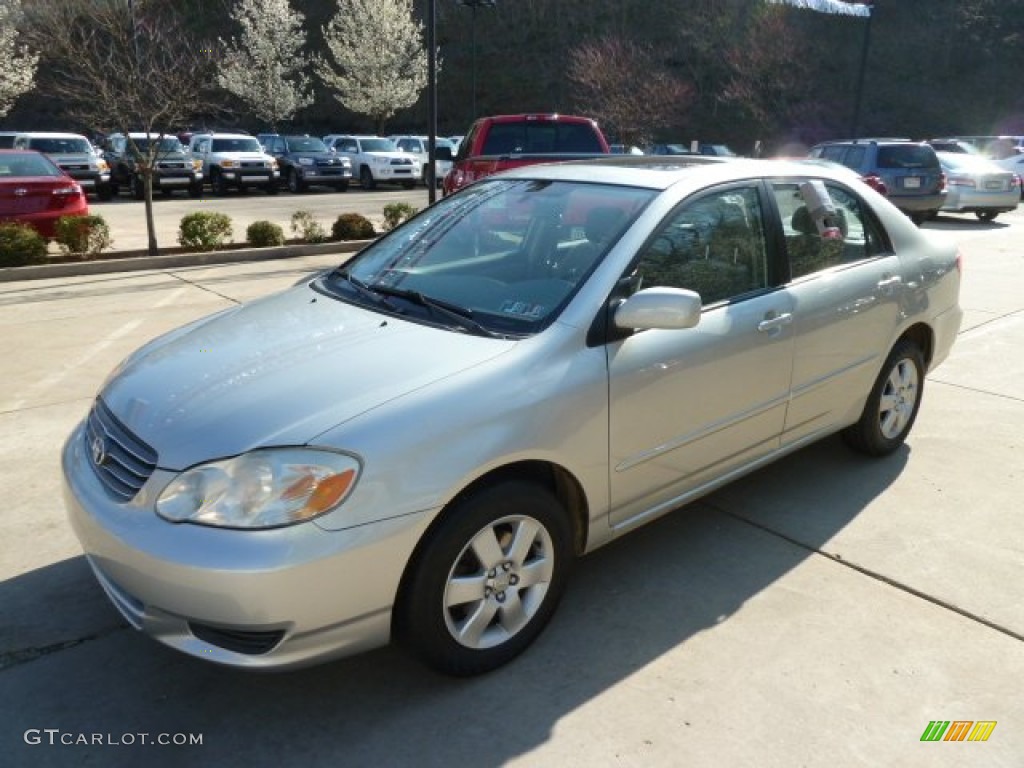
(820, 612)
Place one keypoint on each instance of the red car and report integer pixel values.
(34, 191)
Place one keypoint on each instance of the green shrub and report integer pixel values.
(264, 233)
(20, 245)
(396, 213)
(352, 226)
(84, 236)
(204, 230)
(307, 228)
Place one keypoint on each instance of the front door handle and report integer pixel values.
(887, 284)
(773, 324)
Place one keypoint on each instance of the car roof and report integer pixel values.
(51, 135)
(662, 172)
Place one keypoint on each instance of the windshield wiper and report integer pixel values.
(365, 290)
(462, 316)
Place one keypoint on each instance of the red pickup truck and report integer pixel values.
(498, 143)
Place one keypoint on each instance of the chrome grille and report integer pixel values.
(122, 462)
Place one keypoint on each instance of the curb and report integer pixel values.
(170, 261)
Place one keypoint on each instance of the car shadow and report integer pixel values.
(953, 221)
(628, 604)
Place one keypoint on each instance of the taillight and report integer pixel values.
(962, 181)
(942, 182)
(875, 182)
(72, 189)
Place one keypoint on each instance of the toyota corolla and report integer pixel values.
(417, 445)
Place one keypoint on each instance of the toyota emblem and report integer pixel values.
(99, 451)
(20, 192)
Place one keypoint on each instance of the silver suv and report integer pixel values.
(75, 156)
(235, 161)
(909, 170)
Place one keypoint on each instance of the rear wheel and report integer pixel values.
(986, 215)
(892, 405)
(409, 185)
(486, 580)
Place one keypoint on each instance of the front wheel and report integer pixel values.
(409, 185)
(219, 184)
(295, 184)
(486, 580)
(986, 215)
(892, 405)
(366, 180)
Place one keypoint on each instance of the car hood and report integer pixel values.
(279, 371)
(392, 155)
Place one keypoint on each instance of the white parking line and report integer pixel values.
(72, 365)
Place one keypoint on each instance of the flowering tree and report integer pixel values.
(378, 62)
(19, 71)
(118, 66)
(625, 86)
(264, 65)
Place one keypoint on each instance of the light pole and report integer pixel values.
(473, 5)
(859, 98)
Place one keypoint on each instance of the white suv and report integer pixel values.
(376, 159)
(417, 146)
(235, 160)
(75, 155)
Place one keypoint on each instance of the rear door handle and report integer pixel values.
(770, 324)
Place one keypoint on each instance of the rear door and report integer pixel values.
(845, 294)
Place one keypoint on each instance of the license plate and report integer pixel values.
(993, 185)
(912, 182)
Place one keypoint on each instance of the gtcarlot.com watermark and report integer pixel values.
(56, 737)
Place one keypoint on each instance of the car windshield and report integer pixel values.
(378, 145)
(165, 145)
(60, 146)
(236, 145)
(907, 156)
(27, 165)
(305, 144)
(505, 255)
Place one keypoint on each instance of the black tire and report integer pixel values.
(366, 180)
(195, 190)
(919, 217)
(104, 192)
(219, 183)
(409, 185)
(295, 184)
(986, 215)
(272, 188)
(341, 187)
(892, 405)
(138, 188)
(525, 535)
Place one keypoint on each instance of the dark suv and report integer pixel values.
(306, 161)
(910, 171)
(173, 167)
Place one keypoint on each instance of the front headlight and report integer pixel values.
(262, 489)
(197, 165)
(102, 165)
(380, 160)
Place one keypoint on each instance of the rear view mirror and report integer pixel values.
(663, 308)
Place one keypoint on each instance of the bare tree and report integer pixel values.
(378, 61)
(264, 65)
(119, 65)
(624, 85)
(19, 71)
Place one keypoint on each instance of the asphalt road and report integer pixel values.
(126, 216)
(821, 612)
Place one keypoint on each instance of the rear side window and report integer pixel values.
(907, 156)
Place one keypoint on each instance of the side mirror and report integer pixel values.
(662, 308)
(442, 153)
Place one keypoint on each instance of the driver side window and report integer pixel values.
(714, 245)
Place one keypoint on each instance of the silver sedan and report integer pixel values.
(978, 185)
(417, 445)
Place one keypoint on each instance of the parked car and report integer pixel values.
(417, 146)
(978, 185)
(174, 168)
(35, 191)
(377, 160)
(954, 145)
(7, 139)
(667, 149)
(499, 142)
(305, 161)
(75, 155)
(625, 149)
(417, 445)
(910, 171)
(235, 161)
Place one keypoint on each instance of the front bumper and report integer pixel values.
(323, 174)
(276, 598)
(247, 176)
